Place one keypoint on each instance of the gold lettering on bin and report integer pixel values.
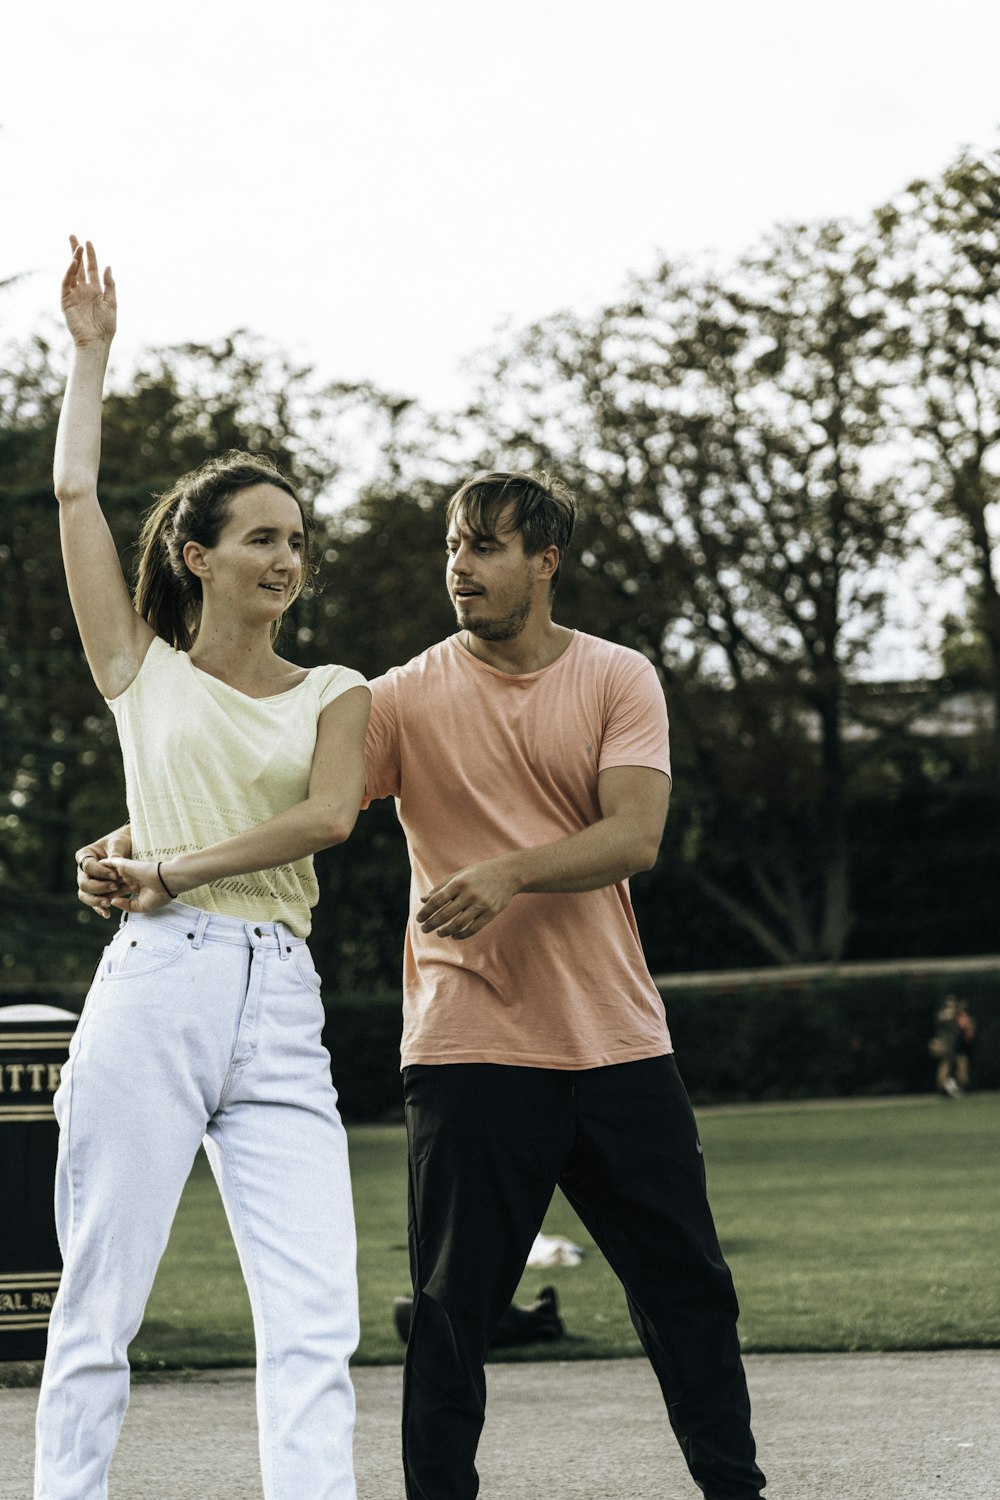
(30, 1077)
(15, 1072)
(27, 1298)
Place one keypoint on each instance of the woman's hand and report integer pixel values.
(96, 881)
(89, 308)
(141, 887)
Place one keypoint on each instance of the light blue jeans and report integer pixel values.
(203, 1026)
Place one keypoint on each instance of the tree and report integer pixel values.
(755, 451)
(380, 599)
(60, 775)
(718, 430)
(941, 267)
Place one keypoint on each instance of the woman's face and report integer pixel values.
(255, 567)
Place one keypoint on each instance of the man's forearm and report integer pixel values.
(607, 852)
(603, 854)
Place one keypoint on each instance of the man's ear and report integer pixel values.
(548, 562)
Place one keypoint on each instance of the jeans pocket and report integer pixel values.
(141, 949)
(305, 967)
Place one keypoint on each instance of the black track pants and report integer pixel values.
(488, 1144)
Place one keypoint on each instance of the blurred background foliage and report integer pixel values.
(770, 458)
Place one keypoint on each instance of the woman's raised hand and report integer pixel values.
(89, 306)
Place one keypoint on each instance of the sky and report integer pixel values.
(377, 187)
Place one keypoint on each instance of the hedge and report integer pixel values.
(826, 1037)
(362, 1034)
(739, 1037)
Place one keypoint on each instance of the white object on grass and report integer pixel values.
(554, 1250)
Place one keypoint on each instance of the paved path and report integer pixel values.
(829, 1427)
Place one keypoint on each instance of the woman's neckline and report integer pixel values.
(250, 697)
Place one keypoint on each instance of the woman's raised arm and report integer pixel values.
(114, 636)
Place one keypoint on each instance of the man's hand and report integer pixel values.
(461, 906)
(98, 883)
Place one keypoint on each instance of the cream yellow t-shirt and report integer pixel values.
(204, 762)
(480, 763)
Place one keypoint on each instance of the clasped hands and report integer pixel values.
(460, 907)
(107, 877)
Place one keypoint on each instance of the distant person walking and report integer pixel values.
(965, 1042)
(204, 1017)
(944, 1047)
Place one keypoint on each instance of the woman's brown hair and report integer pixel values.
(195, 509)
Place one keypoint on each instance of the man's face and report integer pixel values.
(491, 583)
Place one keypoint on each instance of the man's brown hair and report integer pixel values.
(542, 510)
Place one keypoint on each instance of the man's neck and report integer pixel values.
(537, 646)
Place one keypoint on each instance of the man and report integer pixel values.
(531, 769)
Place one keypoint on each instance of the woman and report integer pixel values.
(204, 1016)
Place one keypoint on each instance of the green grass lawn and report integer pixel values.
(848, 1226)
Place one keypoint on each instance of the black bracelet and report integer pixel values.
(163, 882)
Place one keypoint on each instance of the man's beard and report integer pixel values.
(499, 627)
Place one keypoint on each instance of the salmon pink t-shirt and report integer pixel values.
(482, 762)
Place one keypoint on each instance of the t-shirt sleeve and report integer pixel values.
(636, 732)
(159, 656)
(339, 680)
(382, 744)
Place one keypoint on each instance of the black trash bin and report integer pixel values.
(34, 1042)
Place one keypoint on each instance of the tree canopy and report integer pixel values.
(762, 452)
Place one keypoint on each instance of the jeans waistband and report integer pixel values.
(214, 927)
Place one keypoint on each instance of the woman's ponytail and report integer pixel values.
(164, 598)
